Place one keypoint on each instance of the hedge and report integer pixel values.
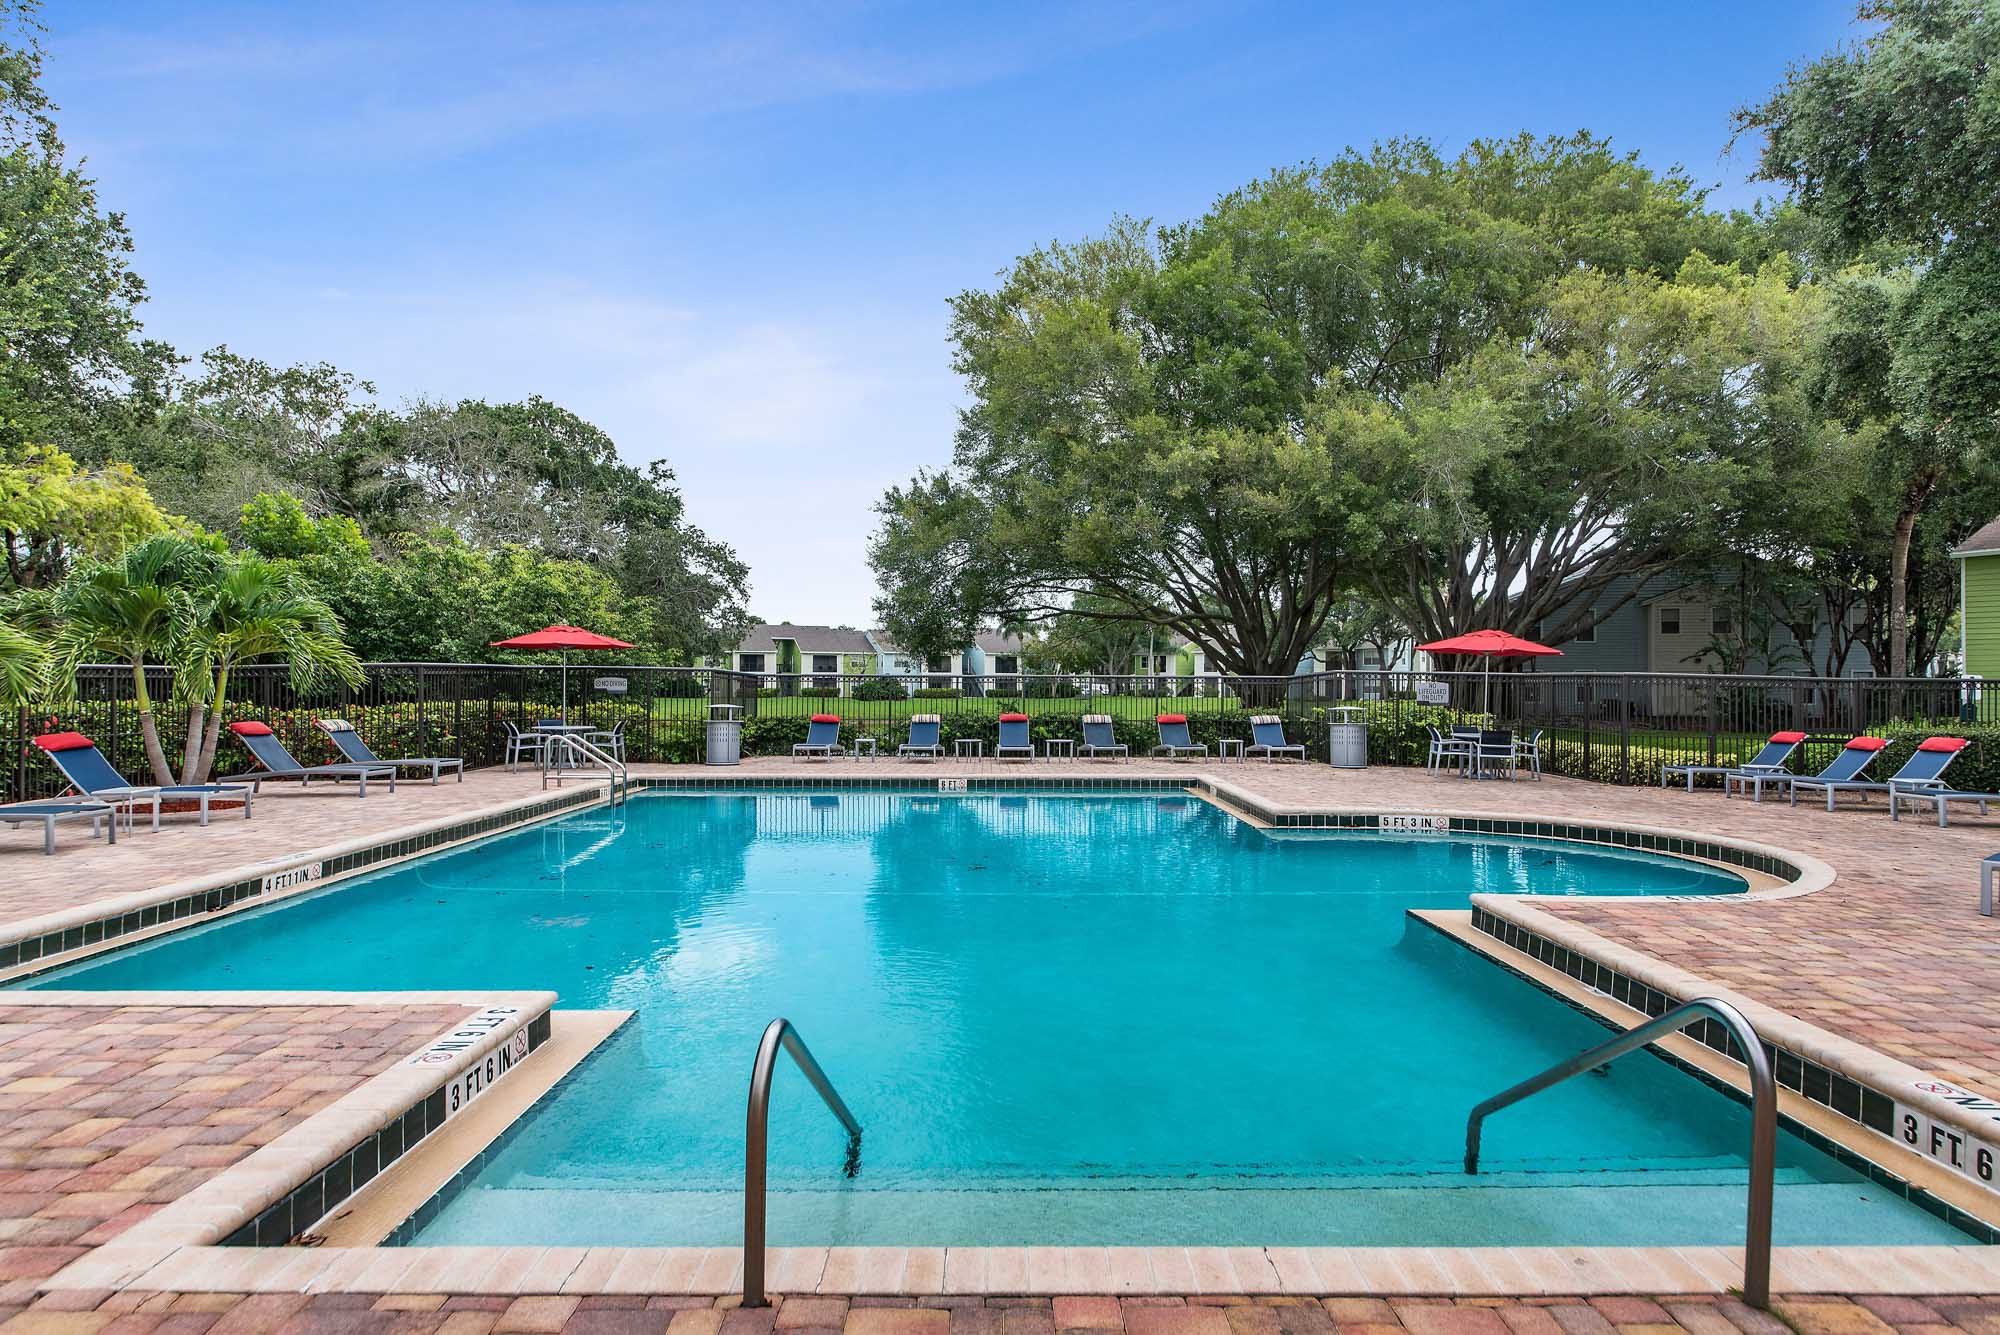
(1398, 735)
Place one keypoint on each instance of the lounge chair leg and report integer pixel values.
(49, 835)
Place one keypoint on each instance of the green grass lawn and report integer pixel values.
(896, 711)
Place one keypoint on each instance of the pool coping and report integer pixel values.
(1051, 1271)
(1702, 1050)
(48, 941)
(1911, 1109)
(282, 1188)
(1794, 873)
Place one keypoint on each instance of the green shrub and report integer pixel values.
(819, 692)
(936, 693)
(879, 688)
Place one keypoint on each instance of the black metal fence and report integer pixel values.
(1613, 727)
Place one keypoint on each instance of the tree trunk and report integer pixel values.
(191, 752)
(1899, 594)
(212, 735)
(156, 755)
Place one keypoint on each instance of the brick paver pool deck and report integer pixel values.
(109, 1111)
(141, 1313)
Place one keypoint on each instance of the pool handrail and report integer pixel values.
(778, 1034)
(585, 754)
(1763, 1116)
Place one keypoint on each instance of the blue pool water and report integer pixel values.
(1079, 1018)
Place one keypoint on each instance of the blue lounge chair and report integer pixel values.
(358, 752)
(1174, 739)
(46, 814)
(822, 738)
(1014, 738)
(1772, 759)
(1921, 771)
(1855, 757)
(92, 775)
(1099, 739)
(265, 748)
(924, 743)
(1267, 739)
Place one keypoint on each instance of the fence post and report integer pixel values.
(1712, 734)
(1625, 730)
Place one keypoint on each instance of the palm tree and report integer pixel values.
(256, 609)
(22, 660)
(133, 610)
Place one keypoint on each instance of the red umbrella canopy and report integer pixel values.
(562, 637)
(1495, 643)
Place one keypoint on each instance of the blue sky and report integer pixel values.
(727, 235)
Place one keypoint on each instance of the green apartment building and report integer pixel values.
(1979, 601)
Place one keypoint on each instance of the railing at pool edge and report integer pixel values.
(1763, 1117)
(778, 1034)
(581, 750)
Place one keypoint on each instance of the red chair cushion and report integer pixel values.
(1943, 744)
(826, 718)
(1171, 718)
(251, 728)
(63, 741)
(1792, 737)
(1013, 718)
(1867, 744)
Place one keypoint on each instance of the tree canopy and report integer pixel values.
(1484, 387)
(1891, 149)
(107, 438)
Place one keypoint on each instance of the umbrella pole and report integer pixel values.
(1486, 705)
(565, 688)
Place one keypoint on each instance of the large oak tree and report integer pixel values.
(1460, 382)
(1892, 150)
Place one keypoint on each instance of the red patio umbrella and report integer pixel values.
(564, 638)
(1490, 644)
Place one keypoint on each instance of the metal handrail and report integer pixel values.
(614, 768)
(1763, 1117)
(756, 1141)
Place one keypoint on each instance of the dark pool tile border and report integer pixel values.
(1577, 832)
(194, 907)
(281, 1222)
(912, 784)
(405, 1233)
(1610, 835)
(1868, 1108)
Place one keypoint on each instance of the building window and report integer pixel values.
(1670, 621)
(1006, 664)
(1719, 621)
(1371, 659)
(1588, 635)
(826, 663)
(750, 662)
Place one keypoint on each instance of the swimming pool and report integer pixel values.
(1061, 1019)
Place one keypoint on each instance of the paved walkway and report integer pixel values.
(136, 1313)
(109, 1112)
(288, 819)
